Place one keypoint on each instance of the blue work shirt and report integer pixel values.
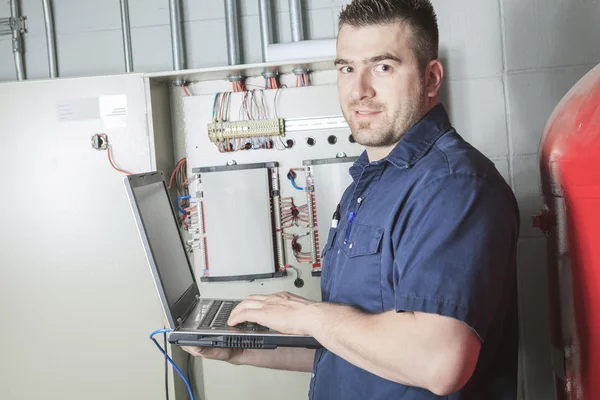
(435, 231)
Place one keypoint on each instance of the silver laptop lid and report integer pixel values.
(163, 244)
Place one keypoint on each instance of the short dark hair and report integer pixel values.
(418, 14)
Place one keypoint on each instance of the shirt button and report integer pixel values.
(359, 200)
(313, 375)
(351, 245)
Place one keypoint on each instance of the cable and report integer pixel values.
(178, 199)
(275, 100)
(179, 164)
(166, 366)
(113, 164)
(294, 183)
(215, 105)
(183, 378)
(190, 371)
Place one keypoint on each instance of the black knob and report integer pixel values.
(351, 139)
(298, 283)
(310, 141)
(332, 139)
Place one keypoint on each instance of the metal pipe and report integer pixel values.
(296, 20)
(17, 41)
(176, 35)
(50, 38)
(233, 37)
(126, 29)
(266, 27)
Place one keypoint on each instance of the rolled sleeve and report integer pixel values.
(454, 253)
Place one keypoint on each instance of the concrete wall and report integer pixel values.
(508, 64)
(89, 41)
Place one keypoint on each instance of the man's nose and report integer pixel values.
(363, 88)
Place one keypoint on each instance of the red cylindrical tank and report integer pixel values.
(570, 174)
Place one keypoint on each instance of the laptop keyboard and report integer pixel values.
(219, 314)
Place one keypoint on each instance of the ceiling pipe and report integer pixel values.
(266, 26)
(126, 29)
(233, 37)
(50, 38)
(17, 39)
(296, 20)
(176, 35)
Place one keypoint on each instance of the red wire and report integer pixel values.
(185, 90)
(175, 171)
(113, 164)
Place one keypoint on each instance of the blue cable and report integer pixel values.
(171, 361)
(215, 105)
(294, 183)
(178, 199)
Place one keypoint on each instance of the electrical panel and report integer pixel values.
(287, 147)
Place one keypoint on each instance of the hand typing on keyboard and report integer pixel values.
(283, 312)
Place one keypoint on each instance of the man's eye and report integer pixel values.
(346, 70)
(383, 68)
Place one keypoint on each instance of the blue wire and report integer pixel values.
(294, 183)
(178, 199)
(215, 104)
(171, 361)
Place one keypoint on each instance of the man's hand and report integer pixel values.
(232, 356)
(283, 312)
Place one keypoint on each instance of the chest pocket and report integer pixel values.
(364, 240)
(357, 276)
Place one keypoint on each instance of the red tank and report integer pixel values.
(570, 175)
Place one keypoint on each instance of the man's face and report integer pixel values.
(380, 85)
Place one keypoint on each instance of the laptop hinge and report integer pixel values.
(189, 310)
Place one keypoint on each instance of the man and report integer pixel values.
(418, 281)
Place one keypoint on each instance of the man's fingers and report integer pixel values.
(245, 305)
(259, 297)
(246, 315)
(195, 351)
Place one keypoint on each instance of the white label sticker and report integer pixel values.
(113, 111)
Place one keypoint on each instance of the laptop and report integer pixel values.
(193, 320)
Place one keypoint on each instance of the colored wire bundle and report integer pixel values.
(292, 215)
(221, 106)
(302, 80)
(253, 106)
(179, 177)
(271, 83)
(301, 257)
(238, 86)
(164, 352)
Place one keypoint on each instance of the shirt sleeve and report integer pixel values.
(455, 255)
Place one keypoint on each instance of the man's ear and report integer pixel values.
(434, 74)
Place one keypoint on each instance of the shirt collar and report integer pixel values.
(413, 145)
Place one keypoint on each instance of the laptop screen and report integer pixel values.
(164, 240)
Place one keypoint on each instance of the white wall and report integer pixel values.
(508, 64)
